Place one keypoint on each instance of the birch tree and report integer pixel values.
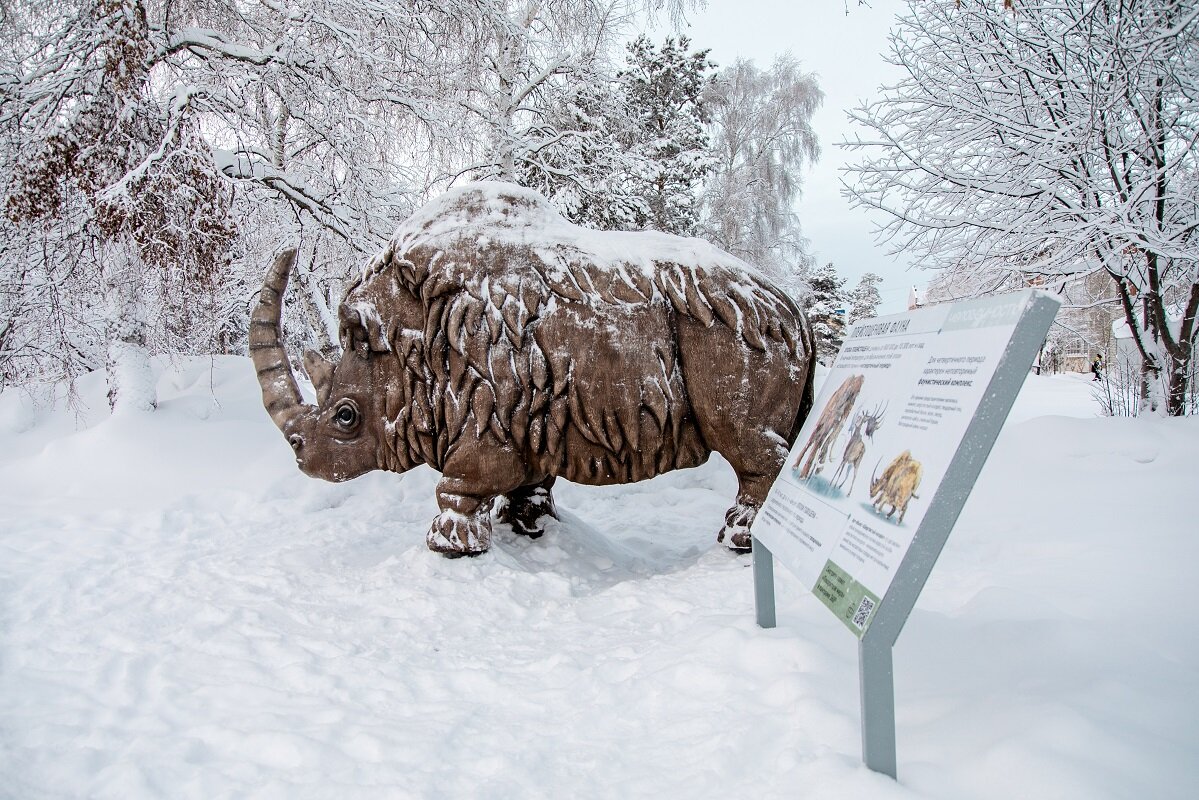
(762, 137)
(1056, 140)
(330, 118)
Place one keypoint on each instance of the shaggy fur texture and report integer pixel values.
(506, 348)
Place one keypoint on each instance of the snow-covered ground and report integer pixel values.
(184, 615)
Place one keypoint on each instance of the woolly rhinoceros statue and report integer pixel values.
(506, 347)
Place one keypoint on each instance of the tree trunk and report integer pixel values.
(317, 314)
(131, 385)
(1176, 387)
(1148, 395)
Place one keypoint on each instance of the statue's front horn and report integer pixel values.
(280, 394)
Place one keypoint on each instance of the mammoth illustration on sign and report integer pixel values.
(506, 347)
(828, 427)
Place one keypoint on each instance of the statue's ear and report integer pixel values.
(361, 329)
(320, 370)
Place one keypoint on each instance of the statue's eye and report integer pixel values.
(346, 417)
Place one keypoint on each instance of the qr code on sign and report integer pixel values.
(863, 613)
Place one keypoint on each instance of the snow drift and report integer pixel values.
(183, 615)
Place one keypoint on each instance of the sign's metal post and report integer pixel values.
(763, 585)
(875, 647)
(878, 704)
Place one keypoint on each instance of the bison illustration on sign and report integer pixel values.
(897, 485)
(506, 347)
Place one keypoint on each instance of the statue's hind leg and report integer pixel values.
(757, 453)
(747, 411)
(526, 507)
(750, 496)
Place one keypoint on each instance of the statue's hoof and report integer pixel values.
(735, 533)
(525, 513)
(453, 535)
(525, 520)
(533, 531)
(737, 539)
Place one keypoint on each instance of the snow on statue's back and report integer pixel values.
(506, 347)
(512, 215)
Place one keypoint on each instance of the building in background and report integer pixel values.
(915, 299)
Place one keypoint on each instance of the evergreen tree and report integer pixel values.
(586, 164)
(825, 308)
(865, 299)
(626, 153)
(663, 90)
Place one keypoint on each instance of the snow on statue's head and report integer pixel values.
(505, 347)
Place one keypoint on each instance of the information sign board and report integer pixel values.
(868, 461)
(883, 465)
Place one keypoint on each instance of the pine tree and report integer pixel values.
(663, 90)
(825, 308)
(865, 299)
(622, 153)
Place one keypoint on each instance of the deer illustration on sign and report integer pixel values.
(864, 425)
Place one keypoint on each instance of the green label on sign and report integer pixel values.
(852, 602)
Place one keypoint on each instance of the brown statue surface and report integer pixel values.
(506, 347)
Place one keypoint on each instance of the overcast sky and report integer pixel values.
(845, 53)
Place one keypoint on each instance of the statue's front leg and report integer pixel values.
(463, 528)
(527, 505)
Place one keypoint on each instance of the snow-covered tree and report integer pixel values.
(319, 112)
(825, 306)
(541, 105)
(864, 300)
(332, 118)
(586, 166)
(156, 152)
(762, 137)
(664, 95)
(624, 152)
(1057, 140)
(113, 175)
(529, 56)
